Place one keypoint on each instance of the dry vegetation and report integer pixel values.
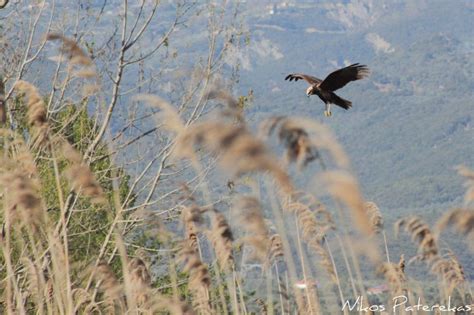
(207, 239)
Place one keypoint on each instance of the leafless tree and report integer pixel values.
(136, 47)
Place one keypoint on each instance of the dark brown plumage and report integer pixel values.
(334, 81)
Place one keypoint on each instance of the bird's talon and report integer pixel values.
(327, 113)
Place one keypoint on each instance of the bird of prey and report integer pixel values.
(334, 81)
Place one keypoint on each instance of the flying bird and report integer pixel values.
(334, 81)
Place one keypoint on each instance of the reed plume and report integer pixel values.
(420, 233)
(252, 221)
(344, 187)
(402, 263)
(222, 238)
(80, 176)
(109, 285)
(76, 57)
(174, 306)
(232, 108)
(377, 223)
(140, 281)
(394, 274)
(239, 151)
(36, 113)
(375, 216)
(24, 157)
(192, 217)
(262, 306)
(71, 49)
(305, 139)
(199, 278)
(461, 219)
(299, 148)
(449, 268)
(36, 282)
(168, 115)
(276, 247)
(22, 201)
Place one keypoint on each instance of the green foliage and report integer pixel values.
(88, 223)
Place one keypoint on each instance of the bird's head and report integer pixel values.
(309, 91)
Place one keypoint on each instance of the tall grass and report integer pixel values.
(269, 222)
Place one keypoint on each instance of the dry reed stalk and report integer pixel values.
(60, 273)
(312, 305)
(3, 107)
(199, 278)
(284, 294)
(239, 151)
(314, 222)
(314, 231)
(222, 238)
(323, 140)
(80, 176)
(420, 233)
(344, 188)
(36, 113)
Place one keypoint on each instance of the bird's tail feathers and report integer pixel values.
(339, 101)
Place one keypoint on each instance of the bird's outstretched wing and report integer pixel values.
(341, 77)
(299, 76)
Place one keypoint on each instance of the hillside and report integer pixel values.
(412, 120)
(154, 160)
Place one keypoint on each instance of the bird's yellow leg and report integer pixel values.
(327, 112)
